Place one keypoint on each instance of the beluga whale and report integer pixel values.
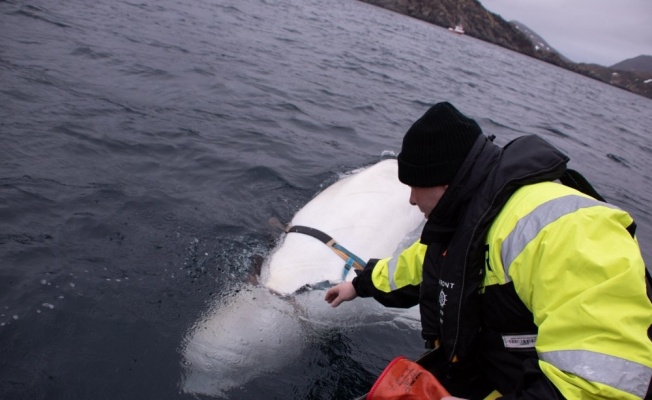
(263, 327)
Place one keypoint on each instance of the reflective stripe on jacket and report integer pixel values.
(580, 273)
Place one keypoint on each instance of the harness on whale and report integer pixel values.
(351, 260)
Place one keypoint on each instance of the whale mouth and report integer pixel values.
(323, 285)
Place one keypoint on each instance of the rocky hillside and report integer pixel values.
(490, 27)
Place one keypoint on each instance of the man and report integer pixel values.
(525, 285)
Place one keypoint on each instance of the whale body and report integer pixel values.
(368, 212)
(261, 328)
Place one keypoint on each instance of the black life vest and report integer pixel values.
(449, 299)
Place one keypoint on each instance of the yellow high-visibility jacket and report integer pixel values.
(578, 271)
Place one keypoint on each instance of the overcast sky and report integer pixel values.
(603, 32)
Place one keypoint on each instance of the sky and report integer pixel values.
(602, 32)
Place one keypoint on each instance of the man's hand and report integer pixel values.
(340, 293)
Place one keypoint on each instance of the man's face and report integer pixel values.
(426, 198)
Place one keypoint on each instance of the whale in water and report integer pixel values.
(264, 327)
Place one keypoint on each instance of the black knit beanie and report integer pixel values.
(435, 146)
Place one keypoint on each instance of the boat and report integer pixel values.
(459, 29)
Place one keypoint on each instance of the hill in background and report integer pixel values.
(539, 43)
(636, 64)
(485, 25)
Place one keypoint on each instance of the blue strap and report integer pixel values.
(352, 257)
(349, 263)
(347, 267)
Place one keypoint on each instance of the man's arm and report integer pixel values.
(393, 282)
(340, 293)
(583, 279)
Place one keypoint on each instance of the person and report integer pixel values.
(529, 284)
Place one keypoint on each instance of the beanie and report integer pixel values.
(435, 147)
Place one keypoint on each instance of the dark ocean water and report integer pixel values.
(145, 144)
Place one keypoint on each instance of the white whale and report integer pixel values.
(260, 329)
